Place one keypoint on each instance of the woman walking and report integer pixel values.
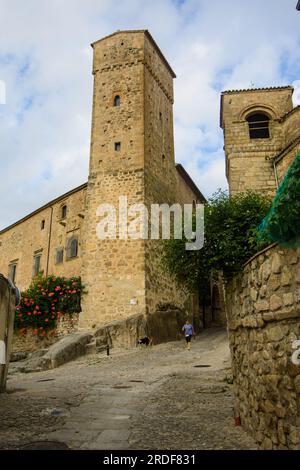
(188, 332)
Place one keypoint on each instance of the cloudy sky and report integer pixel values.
(45, 64)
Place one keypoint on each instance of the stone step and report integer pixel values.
(91, 348)
(102, 348)
(101, 341)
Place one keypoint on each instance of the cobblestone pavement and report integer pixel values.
(151, 398)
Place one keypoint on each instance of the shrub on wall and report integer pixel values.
(46, 300)
(230, 240)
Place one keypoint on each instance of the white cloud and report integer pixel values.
(45, 62)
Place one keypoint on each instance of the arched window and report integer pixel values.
(117, 100)
(72, 248)
(259, 126)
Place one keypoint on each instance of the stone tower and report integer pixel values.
(132, 155)
(253, 134)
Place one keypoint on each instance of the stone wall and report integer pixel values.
(28, 342)
(291, 124)
(160, 326)
(263, 310)
(286, 160)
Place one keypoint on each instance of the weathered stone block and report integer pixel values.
(276, 333)
(262, 305)
(288, 299)
(286, 277)
(276, 264)
(297, 383)
(275, 302)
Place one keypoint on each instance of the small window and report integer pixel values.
(117, 146)
(163, 159)
(259, 126)
(64, 211)
(72, 248)
(59, 255)
(42, 225)
(36, 265)
(12, 271)
(117, 100)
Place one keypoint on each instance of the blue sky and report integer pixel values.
(46, 59)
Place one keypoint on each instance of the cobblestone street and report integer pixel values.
(151, 398)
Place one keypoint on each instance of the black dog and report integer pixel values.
(145, 341)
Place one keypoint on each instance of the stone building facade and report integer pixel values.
(41, 241)
(132, 156)
(263, 309)
(262, 136)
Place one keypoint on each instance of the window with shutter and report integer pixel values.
(36, 265)
(12, 271)
(72, 248)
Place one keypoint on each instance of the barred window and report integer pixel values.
(259, 126)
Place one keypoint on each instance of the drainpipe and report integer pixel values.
(275, 172)
(273, 161)
(49, 241)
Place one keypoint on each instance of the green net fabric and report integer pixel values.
(282, 224)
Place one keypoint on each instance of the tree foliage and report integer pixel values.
(230, 239)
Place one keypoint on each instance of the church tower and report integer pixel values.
(132, 155)
(250, 120)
